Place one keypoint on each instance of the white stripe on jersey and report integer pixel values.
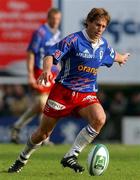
(67, 69)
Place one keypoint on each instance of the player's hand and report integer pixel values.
(44, 78)
(124, 58)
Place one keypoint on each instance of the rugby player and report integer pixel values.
(81, 54)
(47, 35)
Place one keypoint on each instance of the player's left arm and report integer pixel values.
(121, 58)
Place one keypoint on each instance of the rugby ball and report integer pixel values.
(98, 160)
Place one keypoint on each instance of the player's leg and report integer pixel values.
(47, 141)
(95, 116)
(34, 142)
(27, 117)
(24, 119)
(42, 99)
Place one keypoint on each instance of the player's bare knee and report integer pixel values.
(48, 134)
(101, 120)
(41, 134)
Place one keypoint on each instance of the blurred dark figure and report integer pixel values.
(134, 105)
(3, 109)
(117, 110)
(15, 100)
(8, 98)
(104, 100)
(20, 101)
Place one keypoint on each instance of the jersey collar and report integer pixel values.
(50, 29)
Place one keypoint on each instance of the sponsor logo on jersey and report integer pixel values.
(101, 54)
(85, 54)
(112, 52)
(57, 54)
(67, 42)
(88, 69)
(90, 98)
(55, 105)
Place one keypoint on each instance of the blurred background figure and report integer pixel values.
(42, 39)
(20, 101)
(8, 98)
(107, 129)
(3, 110)
(117, 111)
(133, 108)
(104, 100)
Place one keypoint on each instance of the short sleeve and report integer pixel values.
(35, 42)
(108, 57)
(59, 50)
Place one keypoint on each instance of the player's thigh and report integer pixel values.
(95, 115)
(40, 101)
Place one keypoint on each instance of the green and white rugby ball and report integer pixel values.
(98, 160)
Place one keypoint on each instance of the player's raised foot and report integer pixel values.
(15, 135)
(17, 165)
(72, 163)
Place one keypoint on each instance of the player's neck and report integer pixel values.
(92, 38)
(54, 30)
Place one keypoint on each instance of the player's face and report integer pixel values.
(54, 20)
(96, 28)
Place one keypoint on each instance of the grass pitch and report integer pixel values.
(45, 164)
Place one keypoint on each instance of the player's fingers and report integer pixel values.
(45, 80)
(50, 77)
(120, 64)
(40, 79)
(126, 59)
(127, 56)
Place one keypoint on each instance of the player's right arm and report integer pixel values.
(32, 50)
(46, 75)
(54, 55)
(30, 68)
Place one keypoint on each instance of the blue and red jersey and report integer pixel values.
(80, 60)
(42, 39)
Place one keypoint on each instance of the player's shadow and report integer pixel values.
(3, 171)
